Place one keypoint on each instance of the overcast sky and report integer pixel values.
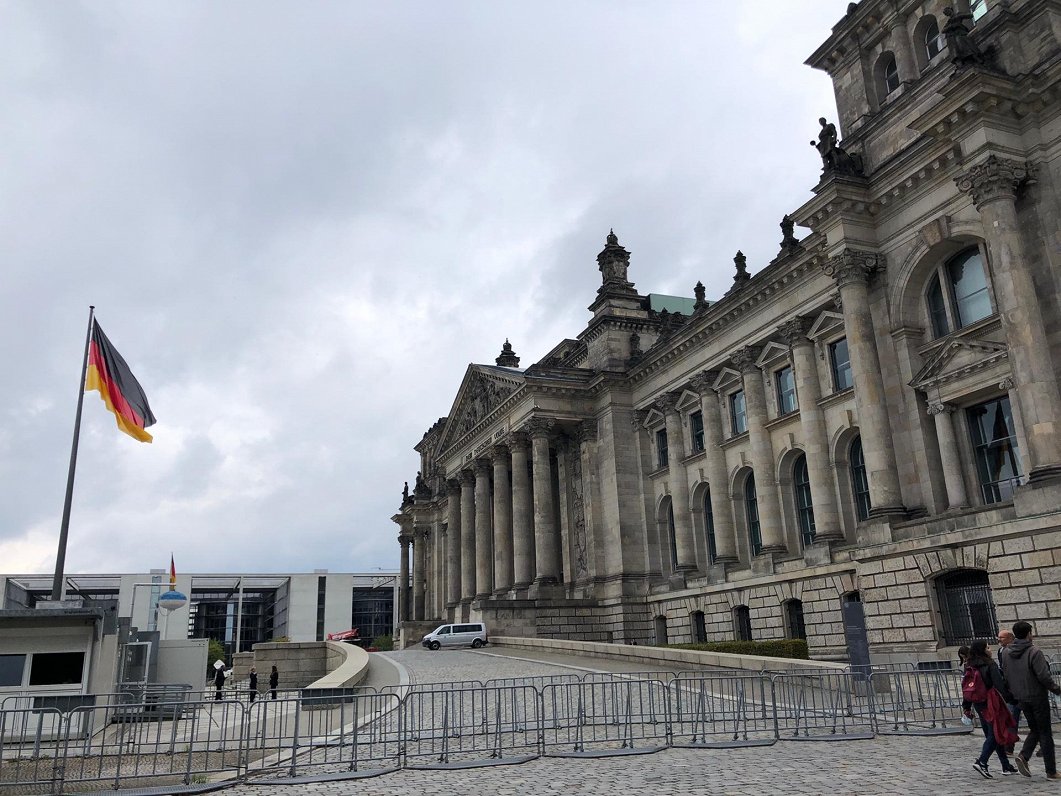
(299, 222)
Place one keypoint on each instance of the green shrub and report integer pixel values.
(775, 648)
(215, 651)
(281, 640)
(383, 643)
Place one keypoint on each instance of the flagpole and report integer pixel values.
(64, 528)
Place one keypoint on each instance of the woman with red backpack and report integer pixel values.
(984, 690)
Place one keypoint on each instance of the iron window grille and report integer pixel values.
(966, 607)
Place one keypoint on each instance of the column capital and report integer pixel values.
(852, 266)
(404, 540)
(540, 427)
(1006, 384)
(993, 179)
(704, 381)
(587, 431)
(517, 440)
(794, 332)
(668, 403)
(637, 419)
(453, 486)
(482, 466)
(500, 453)
(940, 408)
(467, 478)
(745, 358)
(422, 532)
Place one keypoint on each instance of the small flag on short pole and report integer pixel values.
(172, 574)
(117, 386)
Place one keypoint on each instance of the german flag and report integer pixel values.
(117, 386)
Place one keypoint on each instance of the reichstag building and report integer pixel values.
(858, 444)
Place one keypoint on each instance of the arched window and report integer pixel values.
(966, 607)
(933, 41)
(742, 623)
(859, 479)
(661, 630)
(672, 537)
(891, 75)
(804, 504)
(794, 624)
(751, 509)
(709, 527)
(957, 293)
(698, 627)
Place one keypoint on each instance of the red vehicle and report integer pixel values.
(352, 636)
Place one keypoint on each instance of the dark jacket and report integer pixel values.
(254, 681)
(219, 677)
(274, 678)
(992, 677)
(1027, 671)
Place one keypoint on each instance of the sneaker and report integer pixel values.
(982, 768)
(1053, 776)
(1009, 771)
(1022, 765)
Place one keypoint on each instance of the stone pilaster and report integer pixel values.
(453, 543)
(851, 269)
(717, 472)
(679, 486)
(522, 512)
(420, 541)
(904, 51)
(467, 535)
(484, 558)
(812, 424)
(773, 536)
(587, 504)
(404, 539)
(993, 186)
(546, 550)
(502, 520)
(949, 455)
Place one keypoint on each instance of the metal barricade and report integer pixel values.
(460, 728)
(822, 706)
(662, 675)
(918, 702)
(31, 750)
(537, 683)
(605, 718)
(721, 711)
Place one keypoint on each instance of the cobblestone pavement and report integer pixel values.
(940, 766)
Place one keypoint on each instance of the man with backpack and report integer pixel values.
(1027, 673)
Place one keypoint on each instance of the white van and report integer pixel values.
(469, 634)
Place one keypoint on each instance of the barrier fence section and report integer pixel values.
(822, 706)
(721, 711)
(918, 702)
(607, 717)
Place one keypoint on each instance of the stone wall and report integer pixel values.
(298, 663)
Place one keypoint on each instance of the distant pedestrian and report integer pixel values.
(1028, 674)
(984, 690)
(254, 683)
(219, 679)
(274, 681)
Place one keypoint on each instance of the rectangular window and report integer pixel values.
(738, 412)
(841, 363)
(786, 391)
(995, 449)
(662, 458)
(322, 589)
(696, 426)
(11, 669)
(56, 668)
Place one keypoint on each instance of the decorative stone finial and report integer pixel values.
(741, 277)
(701, 296)
(613, 262)
(613, 239)
(508, 358)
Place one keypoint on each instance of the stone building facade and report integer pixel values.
(858, 443)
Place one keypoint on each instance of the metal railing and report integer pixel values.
(110, 742)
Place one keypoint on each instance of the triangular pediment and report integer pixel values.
(483, 390)
(772, 352)
(825, 323)
(959, 358)
(688, 399)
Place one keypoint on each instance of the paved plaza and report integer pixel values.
(939, 766)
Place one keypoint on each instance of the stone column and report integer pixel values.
(453, 543)
(467, 535)
(773, 536)
(545, 542)
(679, 483)
(502, 520)
(949, 455)
(993, 186)
(717, 472)
(851, 269)
(586, 505)
(812, 424)
(403, 577)
(904, 52)
(484, 554)
(522, 512)
(420, 537)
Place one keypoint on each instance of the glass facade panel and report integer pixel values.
(995, 449)
(56, 668)
(840, 360)
(11, 670)
(372, 611)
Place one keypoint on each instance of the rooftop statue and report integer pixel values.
(835, 159)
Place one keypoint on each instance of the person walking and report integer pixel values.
(254, 683)
(219, 679)
(1028, 674)
(1005, 638)
(274, 681)
(984, 690)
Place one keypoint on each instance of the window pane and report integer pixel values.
(937, 310)
(978, 8)
(786, 391)
(673, 537)
(891, 76)
(995, 448)
(969, 287)
(56, 668)
(661, 448)
(859, 479)
(841, 362)
(11, 668)
(966, 605)
(804, 504)
(709, 527)
(751, 507)
(933, 45)
(696, 424)
(738, 412)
